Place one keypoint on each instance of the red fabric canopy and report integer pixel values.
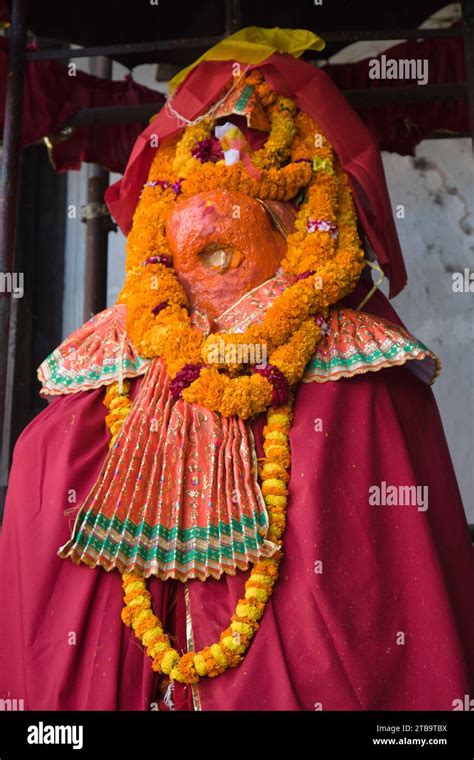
(318, 96)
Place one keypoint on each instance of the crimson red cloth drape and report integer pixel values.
(399, 127)
(388, 624)
(63, 643)
(54, 92)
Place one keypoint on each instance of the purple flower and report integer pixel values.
(165, 184)
(160, 259)
(176, 186)
(208, 150)
(159, 307)
(278, 381)
(183, 379)
(322, 225)
(304, 275)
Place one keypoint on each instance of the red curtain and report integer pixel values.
(54, 92)
(400, 127)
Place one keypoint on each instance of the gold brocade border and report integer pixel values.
(190, 644)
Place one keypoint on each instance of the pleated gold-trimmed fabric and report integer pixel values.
(177, 496)
(94, 355)
(356, 342)
(100, 352)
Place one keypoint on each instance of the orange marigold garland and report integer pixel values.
(234, 641)
(323, 254)
(280, 184)
(282, 131)
(118, 404)
(325, 258)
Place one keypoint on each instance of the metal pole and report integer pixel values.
(8, 207)
(372, 96)
(468, 15)
(98, 228)
(203, 43)
(233, 16)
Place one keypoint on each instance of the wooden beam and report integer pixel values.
(40, 239)
(380, 96)
(114, 115)
(446, 135)
(233, 16)
(390, 34)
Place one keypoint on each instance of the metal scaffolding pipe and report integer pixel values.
(203, 43)
(8, 208)
(97, 227)
(468, 36)
(373, 96)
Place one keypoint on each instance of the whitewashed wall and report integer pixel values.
(436, 187)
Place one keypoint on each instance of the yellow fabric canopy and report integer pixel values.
(253, 45)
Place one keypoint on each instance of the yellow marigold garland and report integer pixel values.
(184, 163)
(148, 234)
(280, 184)
(282, 131)
(323, 252)
(118, 405)
(234, 641)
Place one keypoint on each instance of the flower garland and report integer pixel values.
(272, 184)
(118, 405)
(234, 641)
(266, 95)
(184, 161)
(323, 254)
(277, 147)
(324, 260)
(190, 150)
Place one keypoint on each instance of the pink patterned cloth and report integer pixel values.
(94, 355)
(177, 496)
(355, 342)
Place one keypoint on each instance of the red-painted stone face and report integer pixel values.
(223, 245)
